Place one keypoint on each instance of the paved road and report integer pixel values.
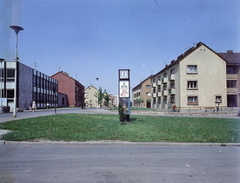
(58, 163)
(44, 112)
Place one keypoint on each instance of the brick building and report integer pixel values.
(71, 87)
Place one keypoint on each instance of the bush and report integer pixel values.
(122, 115)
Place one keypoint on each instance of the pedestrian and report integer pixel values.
(34, 106)
(217, 107)
(174, 108)
(30, 105)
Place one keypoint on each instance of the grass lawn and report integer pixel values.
(96, 127)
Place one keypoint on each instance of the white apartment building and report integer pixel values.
(196, 79)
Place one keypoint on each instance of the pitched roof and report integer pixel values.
(230, 57)
(185, 54)
(150, 77)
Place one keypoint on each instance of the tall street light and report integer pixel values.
(16, 29)
(1, 60)
(97, 92)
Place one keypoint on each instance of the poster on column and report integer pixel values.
(124, 88)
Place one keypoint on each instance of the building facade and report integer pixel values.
(233, 77)
(196, 79)
(31, 85)
(142, 91)
(90, 98)
(71, 87)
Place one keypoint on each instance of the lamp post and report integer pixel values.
(1, 60)
(16, 29)
(97, 92)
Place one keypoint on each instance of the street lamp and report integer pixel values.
(16, 29)
(1, 60)
(97, 92)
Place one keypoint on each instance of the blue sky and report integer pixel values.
(94, 38)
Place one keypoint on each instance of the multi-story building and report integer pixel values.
(31, 85)
(90, 98)
(233, 77)
(142, 91)
(196, 78)
(71, 87)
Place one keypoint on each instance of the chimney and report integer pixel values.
(230, 51)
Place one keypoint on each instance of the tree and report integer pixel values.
(122, 115)
(106, 98)
(140, 100)
(100, 95)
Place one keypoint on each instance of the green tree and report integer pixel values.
(100, 95)
(140, 101)
(106, 98)
(122, 115)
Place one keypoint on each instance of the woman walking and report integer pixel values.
(34, 105)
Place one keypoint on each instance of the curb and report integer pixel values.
(114, 143)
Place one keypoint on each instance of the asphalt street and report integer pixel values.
(58, 163)
(114, 162)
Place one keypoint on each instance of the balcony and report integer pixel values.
(159, 94)
(154, 95)
(172, 77)
(164, 93)
(173, 91)
(159, 82)
(164, 80)
(154, 84)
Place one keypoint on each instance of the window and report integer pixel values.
(172, 99)
(154, 80)
(148, 94)
(192, 69)
(159, 78)
(172, 85)
(154, 90)
(231, 70)
(165, 75)
(154, 100)
(62, 100)
(10, 74)
(232, 83)
(159, 88)
(164, 87)
(148, 86)
(218, 99)
(159, 100)
(1, 75)
(34, 80)
(165, 100)
(191, 85)
(10, 93)
(192, 100)
(172, 71)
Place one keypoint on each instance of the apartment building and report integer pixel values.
(233, 77)
(90, 98)
(71, 87)
(142, 91)
(196, 79)
(31, 85)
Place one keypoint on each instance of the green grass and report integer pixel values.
(96, 127)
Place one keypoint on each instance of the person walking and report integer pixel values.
(30, 105)
(34, 106)
(217, 107)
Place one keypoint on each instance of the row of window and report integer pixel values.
(43, 83)
(190, 100)
(44, 98)
(10, 73)
(193, 85)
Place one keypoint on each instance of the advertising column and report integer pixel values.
(124, 91)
